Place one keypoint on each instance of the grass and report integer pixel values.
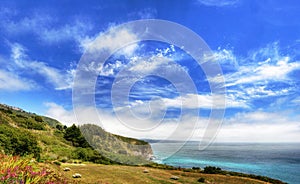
(114, 174)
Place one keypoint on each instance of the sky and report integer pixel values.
(154, 89)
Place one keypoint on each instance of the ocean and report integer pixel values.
(276, 160)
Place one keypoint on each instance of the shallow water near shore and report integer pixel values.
(276, 160)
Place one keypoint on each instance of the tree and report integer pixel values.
(74, 135)
(59, 127)
(38, 118)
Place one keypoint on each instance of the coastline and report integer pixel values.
(273, 160)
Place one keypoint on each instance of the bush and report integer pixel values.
(24, 170)
(64, 160)
(202, 180)
(38, 118)
(57, 163)
(212, 170)
(18, 142)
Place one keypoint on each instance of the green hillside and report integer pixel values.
(121, 149)
(23, 133)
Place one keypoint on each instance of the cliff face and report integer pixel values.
(118, 148)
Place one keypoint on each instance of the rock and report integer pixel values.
(146, 171)
(67, 169)
(174, 178)
(152, 157)
(76, 175)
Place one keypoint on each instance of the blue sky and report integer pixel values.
(256, 43)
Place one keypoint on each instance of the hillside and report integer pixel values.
(23, 133)
(121, 149)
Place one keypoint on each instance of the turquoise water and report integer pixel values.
(280, 161)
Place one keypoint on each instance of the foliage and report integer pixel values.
(202, 180)
(162, 166)
(212, 170)
(38, 118)
(131, 140)
(23, 170)
(74, 135)
(121, 149)
(16, 142)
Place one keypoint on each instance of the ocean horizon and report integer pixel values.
(276, 160)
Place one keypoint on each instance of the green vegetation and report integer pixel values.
(212, 170)
(16, 142)
(74, 135)
(121, 149)
(24, 170)
(201, 180)
(217, 170)
(23, 133)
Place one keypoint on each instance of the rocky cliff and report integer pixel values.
(118, 148)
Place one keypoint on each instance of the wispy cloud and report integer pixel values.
(263, 73)
(194, 101)
(110, 40)
(44, 26)
(9, 81)
(59, 79)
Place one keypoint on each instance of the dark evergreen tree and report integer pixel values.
(74, 135)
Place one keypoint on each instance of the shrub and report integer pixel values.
(57, 163)
(212, 170)
(23, 170)
(202, 180)
(38, 118)
(17, 142)
(64, 160)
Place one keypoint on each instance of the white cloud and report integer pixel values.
(111, 40)
(60, 80)
(75, 31)
(149, 64)
(45, 27)
(124, 124)
(256, 126)
(265, 72)
(223, 56)
(260, 127)
(59, 113)
(204, 101)
(11, 82)
(262, 72)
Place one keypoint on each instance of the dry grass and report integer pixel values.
(113, 174)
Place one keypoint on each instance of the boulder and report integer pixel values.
(76, 175)
(67, 169)
(174, 178)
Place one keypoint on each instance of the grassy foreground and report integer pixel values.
(95, 173)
